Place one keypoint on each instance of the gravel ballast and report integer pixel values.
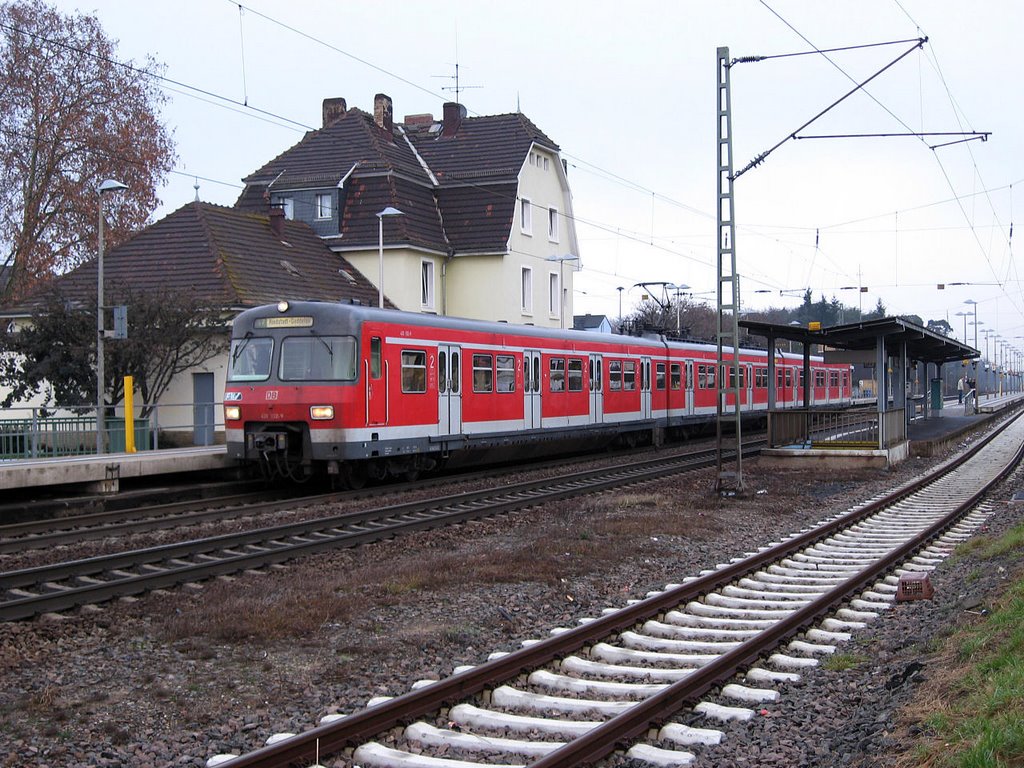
(174, 678)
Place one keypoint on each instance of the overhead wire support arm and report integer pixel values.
(918, 43)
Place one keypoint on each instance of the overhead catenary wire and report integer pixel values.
(192, 91)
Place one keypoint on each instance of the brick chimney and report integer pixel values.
(333, 110)
(277, 221)
(382, 114)
(453, 116)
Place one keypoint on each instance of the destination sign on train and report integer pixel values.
(284, 322)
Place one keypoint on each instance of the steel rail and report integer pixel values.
(362, 725)
(166, 566)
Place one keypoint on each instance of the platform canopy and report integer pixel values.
(921, 344)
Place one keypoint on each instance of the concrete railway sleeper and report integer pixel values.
(705, 651)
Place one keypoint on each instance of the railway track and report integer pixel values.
(119, 523)
(670, 661)
(61, 586)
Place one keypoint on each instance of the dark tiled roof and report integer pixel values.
(489, 148)
(478, 218)
(470, 209)
(323, 157)
(227, 257)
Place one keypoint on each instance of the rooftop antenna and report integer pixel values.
(196, 188)
(458, 88)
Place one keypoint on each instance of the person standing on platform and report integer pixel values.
(960, 390)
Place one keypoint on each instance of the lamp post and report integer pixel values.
(678, 289)
(389, 211)
(561, 290)
(109, 185)
(620, 289)
(974, 311)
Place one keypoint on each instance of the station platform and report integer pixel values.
(103, 474)
(950, 423)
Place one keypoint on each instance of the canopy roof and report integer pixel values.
(922, 344)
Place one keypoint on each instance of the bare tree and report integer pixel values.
(71, 115)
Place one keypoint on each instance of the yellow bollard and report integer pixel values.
(129, 415)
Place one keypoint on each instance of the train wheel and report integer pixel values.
(410, 475)
(354, 476)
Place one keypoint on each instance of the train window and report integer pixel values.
(833, 378)
(536, 373)
(599, 384)
(801, 376)
(506, 373)
(659, 376)
(318, 358)
(250, 359)
(789, 377)
(628, 375)
(483, 373)
(442, 371)
(590, 373)
(761, 378)
(375, 355)
(414, 371)
(454, 380)
(614, 375)
(779, 377)
(556, 365)
(575, 375)
(675, 376)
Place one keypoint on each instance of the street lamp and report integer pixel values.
(110, 185)
(561, 291)
(678, 289)
(389, 211)
(974, 311)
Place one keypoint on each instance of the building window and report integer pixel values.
(525, 216)
(545, 163)
(553, 225)
(527, 290)
(323, 206)
(553, 294)
(427, 284)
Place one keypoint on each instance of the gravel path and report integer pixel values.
(174, 678)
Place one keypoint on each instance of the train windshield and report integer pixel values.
(250, 359)
(318, 358)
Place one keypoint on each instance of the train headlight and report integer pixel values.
(232, 412)
(321, 412)
(282, 306)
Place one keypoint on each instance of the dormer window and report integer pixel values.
(323, 206)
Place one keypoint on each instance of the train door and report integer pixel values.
(376, 384)
(645, 387)
(688, 384)
(596, 371)
(449, 389)
(748, 385)
(531, 389)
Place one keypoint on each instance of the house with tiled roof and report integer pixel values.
(229, 259)
(485, 228)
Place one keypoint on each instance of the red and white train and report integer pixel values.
(364, 392)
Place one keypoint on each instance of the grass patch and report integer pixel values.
(839, 662)
(977, 717)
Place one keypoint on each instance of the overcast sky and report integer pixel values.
(628, 93)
